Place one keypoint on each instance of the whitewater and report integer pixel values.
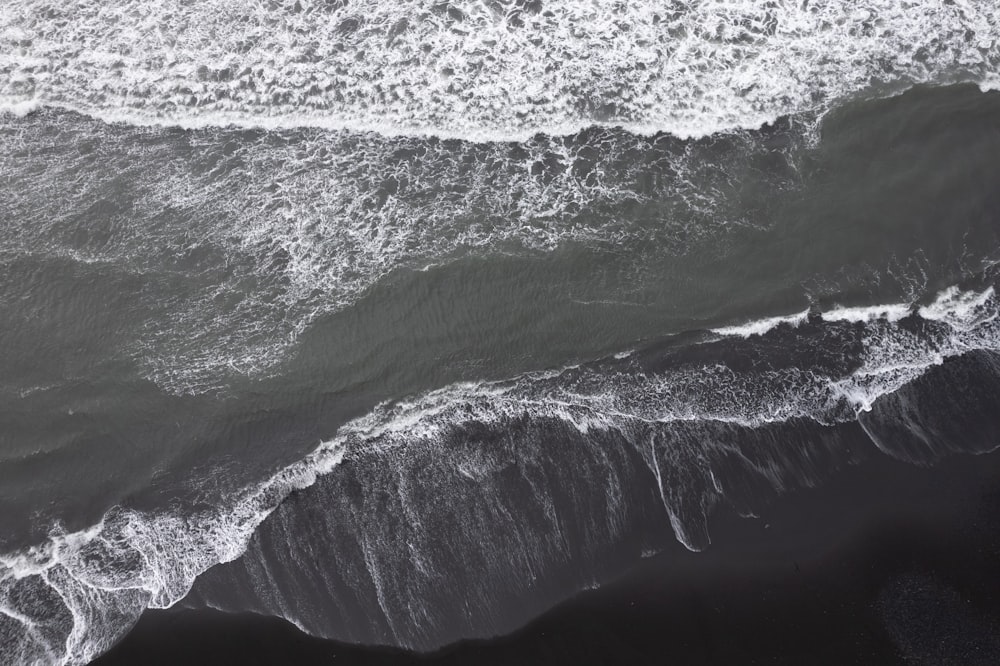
(483, 71)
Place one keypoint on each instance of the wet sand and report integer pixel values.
(887, 563)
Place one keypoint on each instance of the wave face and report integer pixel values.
(486, 70)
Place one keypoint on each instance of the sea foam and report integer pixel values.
(480, 70)
(762, 326)
(270, 232)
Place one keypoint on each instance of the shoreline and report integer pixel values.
(852, 571)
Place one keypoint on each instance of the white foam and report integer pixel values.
(957, 308)
(762, 326)
(106, 575)
(480, 70)
(891, 357)
(960, 309)
(891, 312)
(20, 108)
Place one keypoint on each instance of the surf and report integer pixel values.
(105, 576)
(459, 70)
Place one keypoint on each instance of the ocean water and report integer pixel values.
(404, 322)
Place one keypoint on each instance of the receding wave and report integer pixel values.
(494, 70)
(69, 599)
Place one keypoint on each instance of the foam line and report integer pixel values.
(960, 309)
(891, 312)
(762, 326)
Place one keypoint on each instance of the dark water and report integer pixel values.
(406, 370)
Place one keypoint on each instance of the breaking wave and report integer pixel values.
(69, 599)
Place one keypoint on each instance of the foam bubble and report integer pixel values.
(22, 108)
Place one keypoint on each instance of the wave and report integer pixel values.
(953, 306)
(270, 232)
(247, 239)
(482, 71)
(762, 326)
(960, 309)
(70, 598)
